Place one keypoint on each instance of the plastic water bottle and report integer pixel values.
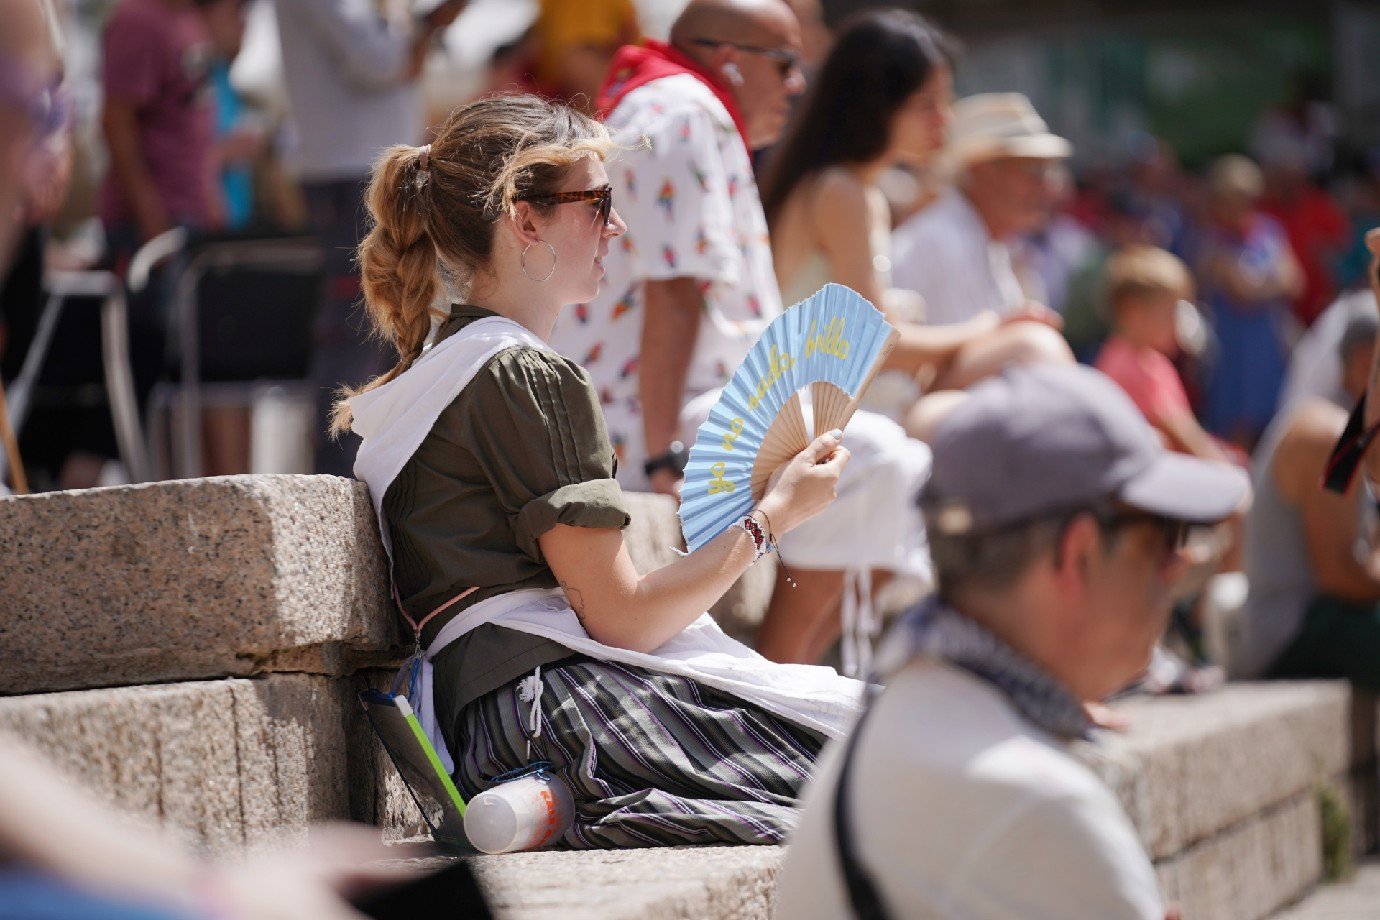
(523, 810)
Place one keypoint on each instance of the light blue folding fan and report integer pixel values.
(817, 357)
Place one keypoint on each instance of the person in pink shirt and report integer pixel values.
(1144, 287)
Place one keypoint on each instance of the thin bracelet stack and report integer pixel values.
(771, 539)
(763, 540)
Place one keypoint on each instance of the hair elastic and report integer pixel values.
(423, 177)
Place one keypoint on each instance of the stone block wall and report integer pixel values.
(228, 763)
(233, 576)
(1224, 789)
(191, 650)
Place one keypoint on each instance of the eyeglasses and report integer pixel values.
(786, 60)
(1172, 534)
(602, 195)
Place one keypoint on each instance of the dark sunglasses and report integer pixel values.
(1173, 535)
(786, 60)
(602, 195)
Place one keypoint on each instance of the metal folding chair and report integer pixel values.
(271, 330)
(109, 291)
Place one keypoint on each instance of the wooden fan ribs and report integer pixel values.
(784, 439)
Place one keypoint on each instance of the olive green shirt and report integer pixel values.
(521, 449)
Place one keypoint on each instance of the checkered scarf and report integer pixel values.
(935, 630)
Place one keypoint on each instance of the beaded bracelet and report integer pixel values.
(760, 545)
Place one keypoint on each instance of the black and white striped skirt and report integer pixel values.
(652, 759)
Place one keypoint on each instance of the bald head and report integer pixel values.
(751, 48)
(749, 21)
(29, 66)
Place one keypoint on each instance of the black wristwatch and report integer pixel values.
(674, 459)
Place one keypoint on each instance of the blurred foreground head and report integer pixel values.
(1057, 518)
(30, 106)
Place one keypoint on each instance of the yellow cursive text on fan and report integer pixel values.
(828, 342)
(718, 483)
(780, 363)
(736, 428)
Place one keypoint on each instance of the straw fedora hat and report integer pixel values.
(992, 125)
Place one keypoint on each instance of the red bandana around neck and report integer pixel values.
(638, 65)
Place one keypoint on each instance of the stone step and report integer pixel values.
(666, 883)
(228, 577)
(1224, 788)
(231, 576)
(228, 764)
(1192, 765)
(1356, 898)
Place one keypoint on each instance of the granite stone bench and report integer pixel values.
(193, 648)
(192, 651)
(232, 576)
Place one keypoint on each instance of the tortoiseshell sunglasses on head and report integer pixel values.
(602, 195)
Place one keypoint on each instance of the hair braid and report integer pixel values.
(398, 264)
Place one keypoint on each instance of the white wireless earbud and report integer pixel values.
(732, 73)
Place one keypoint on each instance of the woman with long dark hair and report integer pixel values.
(882, 98)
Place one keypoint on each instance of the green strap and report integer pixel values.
(431, 755)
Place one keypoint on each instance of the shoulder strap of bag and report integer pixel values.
(863, 895)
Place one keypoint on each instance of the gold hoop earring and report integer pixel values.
(522, 262)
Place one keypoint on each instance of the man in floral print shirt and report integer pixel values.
(691, 285)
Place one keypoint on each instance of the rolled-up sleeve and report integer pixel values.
(539, 434)
(598, 503)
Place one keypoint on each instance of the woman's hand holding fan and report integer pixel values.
(805, 485)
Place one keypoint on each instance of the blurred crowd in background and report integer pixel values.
(1275, 176)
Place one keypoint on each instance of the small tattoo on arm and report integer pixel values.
(577, 602)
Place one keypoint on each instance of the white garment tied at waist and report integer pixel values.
(816, 697)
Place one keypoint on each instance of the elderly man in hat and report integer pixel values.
(954, 253)
(1056, 523)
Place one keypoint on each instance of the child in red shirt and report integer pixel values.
(1145, 286)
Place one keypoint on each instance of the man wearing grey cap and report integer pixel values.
(1056, 523)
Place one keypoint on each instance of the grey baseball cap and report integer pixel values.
(1040, 440)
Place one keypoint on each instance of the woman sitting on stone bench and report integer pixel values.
(490, 468)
